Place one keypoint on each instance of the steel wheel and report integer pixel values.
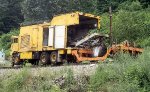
(44, 59)
(54, 57)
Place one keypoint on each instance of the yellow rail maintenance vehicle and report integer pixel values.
(66, 38)
(54, 42)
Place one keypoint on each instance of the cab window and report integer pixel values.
(15, 40)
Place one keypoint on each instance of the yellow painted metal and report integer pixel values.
(40, 38)
(47, 48)
(61, 51)
(65, 19)
(26, 55)
(14, 46)
(71, 19)
(35, 37)
(99, 23)
(69, 51)
(31, 37)
(14, 37)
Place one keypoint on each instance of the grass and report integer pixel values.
(5, 64)
(124, 74)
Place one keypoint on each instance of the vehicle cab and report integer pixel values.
(14, 45)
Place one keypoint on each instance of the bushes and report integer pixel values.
(16, 82)
(69, 81)
(130, 22)
(76, 83)
(5, 41)
(126, 74)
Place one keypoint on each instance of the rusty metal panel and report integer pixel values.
(25, 41)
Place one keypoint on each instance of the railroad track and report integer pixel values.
(20, 67)
(10, 67)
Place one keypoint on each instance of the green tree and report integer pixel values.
(10, 15)
(36, 10)
(5, 41)
(145, 3)
(103, 5)
(129, 23)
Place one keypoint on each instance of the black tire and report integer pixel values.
(44, 58)
(16, 61)
(34, 62)
(54, 57)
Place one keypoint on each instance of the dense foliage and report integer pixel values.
(130, 22)
(10, 15)
(130, 17)
(36, 10)
(5, 41)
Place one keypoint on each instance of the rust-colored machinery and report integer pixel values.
(125, 47)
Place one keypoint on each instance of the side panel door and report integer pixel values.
(60, 37)
(35, 37)
(51, 36)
